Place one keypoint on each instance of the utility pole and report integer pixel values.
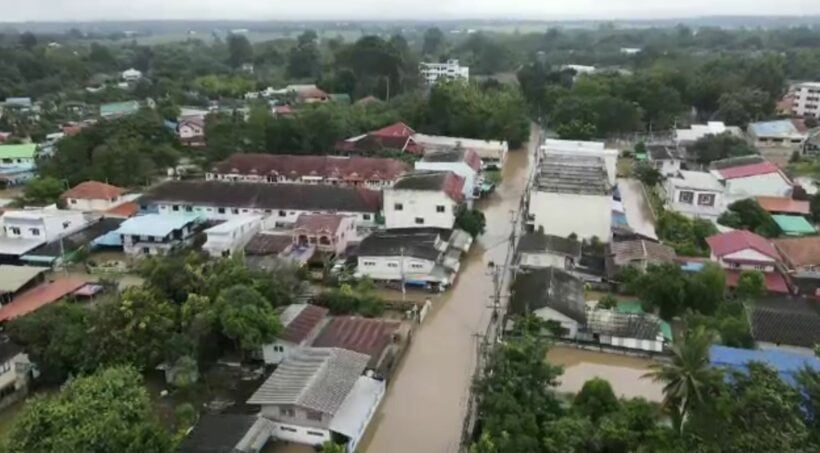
(401, 271)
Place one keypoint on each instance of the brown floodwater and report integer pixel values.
(426, 401)
(624, 373)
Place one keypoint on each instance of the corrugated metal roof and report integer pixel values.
(157, 225)
(794, 225)
(12, 278)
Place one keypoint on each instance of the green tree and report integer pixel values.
(576, 130)
(42, 191)
(664, 288)
(331, 447)
(240, 50)
(596, 399)
(303, 60)
(750, 285)
(721, 146)
(110, 411)
(247, 318)
(749, 215)
(607, 302)
(647, 174)
(434, 41)
(471, 220)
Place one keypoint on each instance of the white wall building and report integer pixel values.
(423, 200)
(301, 324)
(695, 194)
(229, 237)
(807, 99)
(584, 148)
(46, 224)
(664, 158)
(93, 196)
(571, 195)
(786, 133)
(698, 131)
(449, 70)
(463, 162)
(157, 234)
(493, 153)
(131, 75)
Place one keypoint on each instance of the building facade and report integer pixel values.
(423, 200)
(807, 99)
(230, 237)
(449, 70)
(695, 194)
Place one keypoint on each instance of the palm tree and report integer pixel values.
(685, 377)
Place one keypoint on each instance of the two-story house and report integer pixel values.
(301, 324)
(191, 131)
(329, 233)
(93, 196)
(24, 230)
(801, 262)
(17, 163)
(741, 250)
(695, 194)
(320, 394)
(423, 200)
(463, 162)
(750, 176)
(231, 236)
(157, 234)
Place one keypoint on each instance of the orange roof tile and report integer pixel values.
(93, 190)
(783, 204)
(129, 209)
(39, 296)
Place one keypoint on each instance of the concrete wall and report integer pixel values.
(47, 227)
(271, 217)
(300, 434)
(633, 343)
(227, 243)
(563, 214)
(542, 260)
(418, 204)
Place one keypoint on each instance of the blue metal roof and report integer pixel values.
(787, 364)
(156, 225)
(773, 128)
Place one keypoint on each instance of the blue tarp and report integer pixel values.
(619, 219)
(693, 266)
(786, 363)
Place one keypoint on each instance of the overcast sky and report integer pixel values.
(81, 10)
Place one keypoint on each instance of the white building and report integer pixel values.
(301, 325)
(423, 200)
(320, 394)
(579, 68)
(745, 177)
(539, 251)
(699, 131)
(695, 194)
(807, 99)
(157, 234)
(229, 237)
(46, 224)
(462, 162)
(131, 75)
(450, 70)
(493, 153)
(93, 196)
(634, 331)
(571, 195)
(664, 158)
(584, 148)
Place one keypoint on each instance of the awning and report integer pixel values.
(358, 408)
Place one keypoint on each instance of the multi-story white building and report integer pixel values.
(463, 162)
(695, 194)
(157, 234)
(571, 195)
(227, 238)
(807, 99)
(584, 148)
(449, 70)
(423, 200)
(46, 225)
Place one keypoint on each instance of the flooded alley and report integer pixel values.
(426, 401)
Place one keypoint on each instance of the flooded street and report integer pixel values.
(623, 372)
(426, 401)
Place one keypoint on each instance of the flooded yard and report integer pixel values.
(623, 372)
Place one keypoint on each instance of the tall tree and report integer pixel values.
(247, 318)
(240, 50)
(303, 60)
(433, 41)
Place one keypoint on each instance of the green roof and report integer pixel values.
(634, 307)
(24, 151)
(793, 225)
(119, 108)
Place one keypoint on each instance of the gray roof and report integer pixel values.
(12, 278)
(552, 288)
(217, 433)
(422, 180)
(318, 379)
(583, 175)
(540, 242)
(624, 325)
(662, 152)
(423, 244)
(626, 252)
(786, 321)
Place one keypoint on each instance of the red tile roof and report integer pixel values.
(783, 204)
(303, 324)
(800, 252)
(367, 336)
(394, 130)
(351, 169)
(40, 296)
(775, 283)
(317, 223)
(126, 210)
(447, 182)
(93, 190)
(743, 171)
(396, 136)
(734, 241)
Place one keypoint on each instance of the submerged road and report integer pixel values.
(427, 398)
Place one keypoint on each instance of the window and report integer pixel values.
(288, 429)
(315, 433)
(283, 214)
(314, 415)
(398, 207)
(760, 267)
(189, 208)
(72, 200)
(324, 240)
(365, 216)
(34, 231)
(419, 220)
(686, 197)
(392, 264)
(368, 263)
(440, 208)
(706, 199)
(175, 208)
(15, 230)
(146, 251)
(416, 266)
(287, 412)
(235, 211)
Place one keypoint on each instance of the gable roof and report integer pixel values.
(786, 321)
(699, 180)
(799, 252)
(787, 364)
(299, 320)
(778, 128)
(447, 182)
(737, 161)
(626, 252)
(734, 241)
(119, 108)
(355, 333)
(318, 379)
(317, 223)
(93, 190)
(548, 288)
(774, 281)
(624, 325)
(156, 225)
(268, 244)
(394, 130)
(353, 168)
(783, 204)
(12, 278)
(793, 225)
(745, 171)
(39, 296)
(572, 174)
(539, 242)
(662, 152)
(421, 245)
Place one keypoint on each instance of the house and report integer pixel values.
(329, 233)
(41, 295)
(427, 258)
(24, 103)
(448, 70)
(750, 176)
(380, 339)
(131, 75)
(788, 133)
(191, 130)
(371, 172)
(320, 394)
(463, 162)
(638, 253)
(14, 279)
(801, 260)
(157, 234)
(787, 364)
(632, 331)
(301, 324)
(786, 323)
(397, 136)
(551, 294)
(793, 225)
(227, 433)
(582, 148)
(93, 196)
(308, 94)
(116, 110)
(571, 184)
(664, 158)
(493, 153)
(17, 163)
(424, 199)
(537, 251)
(15, 372)
(784, 205)
(42, 224)
(65, 248)
(270, 251)
(740, 250)
(231, 236)
(806, 99)
(685, 137)
(279, 204)
(695, 194)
